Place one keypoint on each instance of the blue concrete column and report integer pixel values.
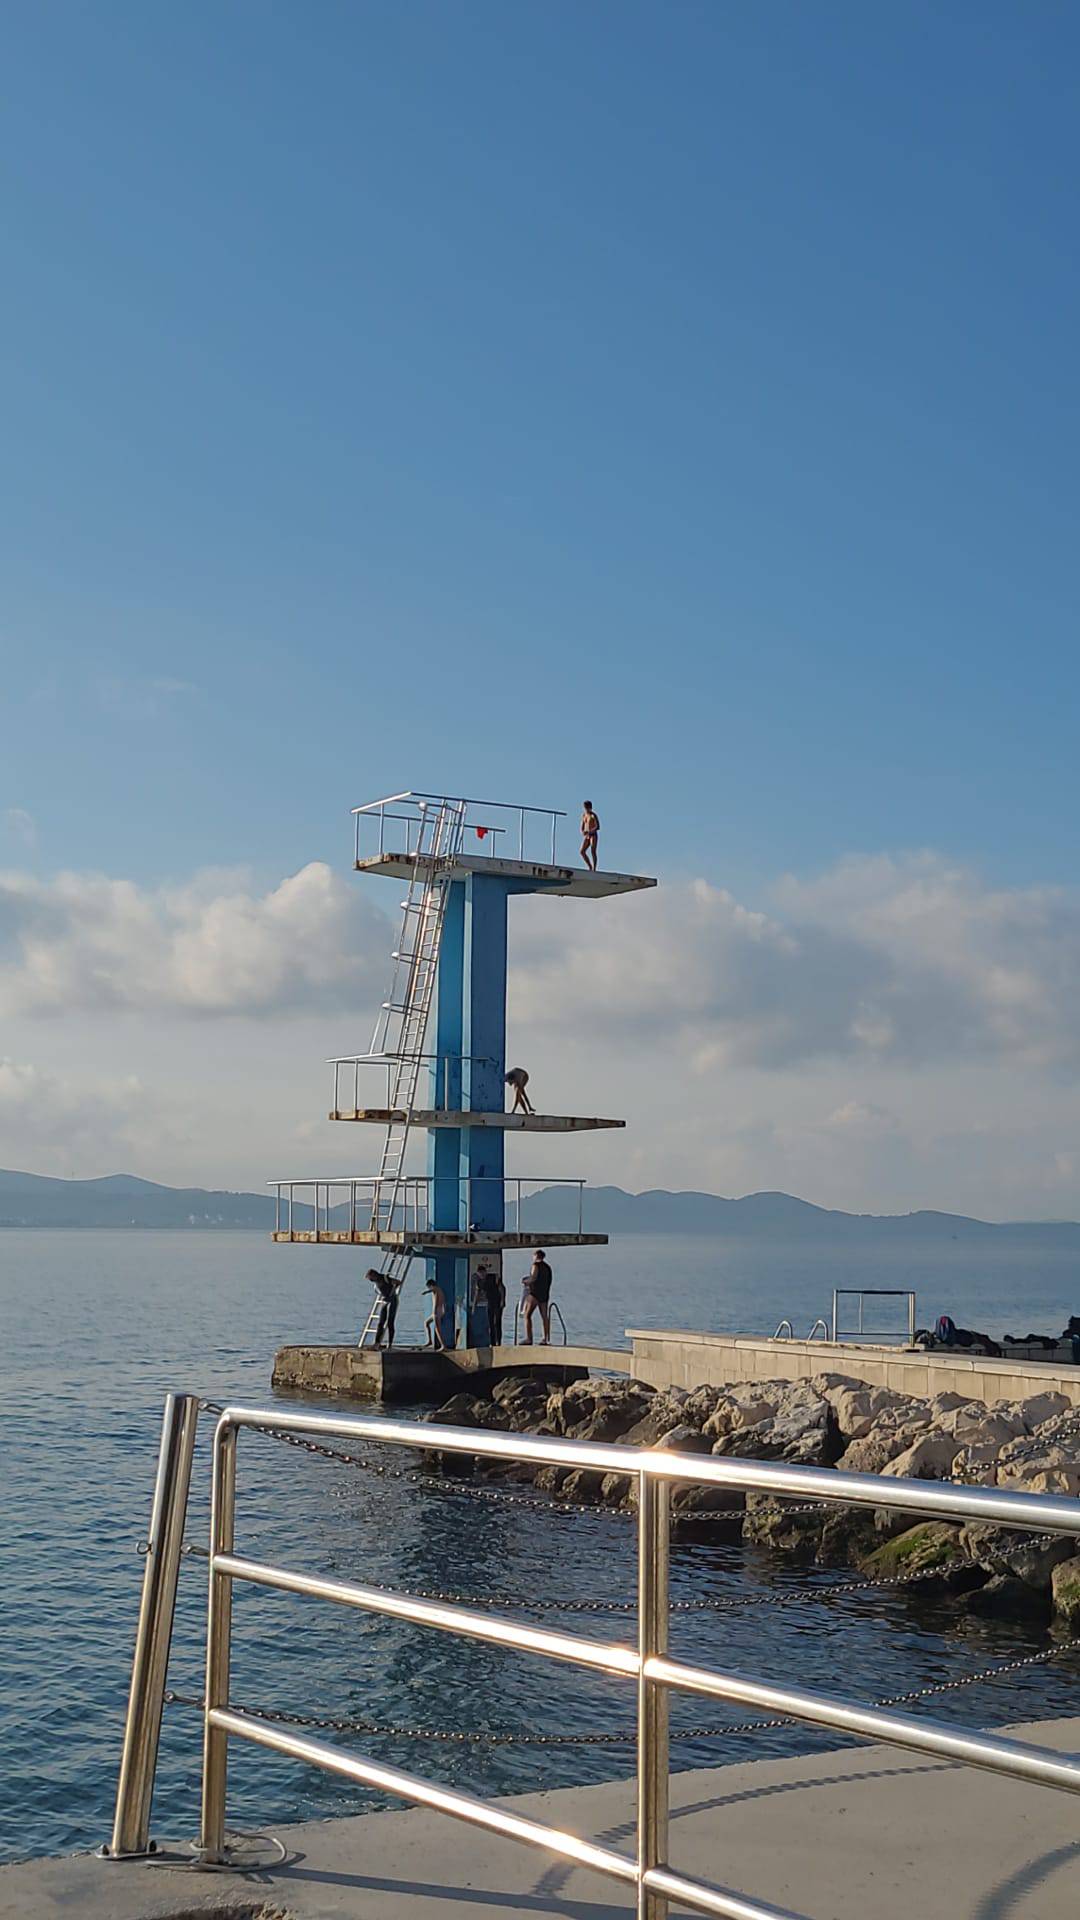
(444, 1143)
(484, 1026)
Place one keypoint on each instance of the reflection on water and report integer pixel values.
(98, 1325)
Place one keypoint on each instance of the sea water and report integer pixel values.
(98, 1325)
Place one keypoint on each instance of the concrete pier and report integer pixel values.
(863, 1833)
(662, 1358)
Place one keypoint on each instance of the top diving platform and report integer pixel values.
(523, 876)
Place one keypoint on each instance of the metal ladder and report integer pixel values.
(403, 1019)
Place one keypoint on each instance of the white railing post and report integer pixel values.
(218, 1645)
(142, 1728)
(653, 1756)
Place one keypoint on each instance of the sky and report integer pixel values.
(670, 403)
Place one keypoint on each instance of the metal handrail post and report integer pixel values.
(835, 1310)
(653, 1755)
(142, 1729)
(218, 1644)
(911, 1319)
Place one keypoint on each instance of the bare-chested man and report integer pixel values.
(590, 834)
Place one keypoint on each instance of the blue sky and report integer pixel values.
(675, 403)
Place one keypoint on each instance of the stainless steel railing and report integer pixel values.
(647, 1663)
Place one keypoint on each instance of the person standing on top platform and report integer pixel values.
(590, 834)
(519, 1080)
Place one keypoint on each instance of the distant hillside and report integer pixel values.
(122, 1200)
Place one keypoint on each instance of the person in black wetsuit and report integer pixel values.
(388, 1294)
(538, 1294)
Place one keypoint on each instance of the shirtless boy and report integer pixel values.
(590, 834)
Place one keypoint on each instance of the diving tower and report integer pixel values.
(440, 1045)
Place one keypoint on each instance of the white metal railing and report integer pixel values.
(646, 1664)
(860, 1330)
(341, 1206)
(392, 826)
(349, 1066)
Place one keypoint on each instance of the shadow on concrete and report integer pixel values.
(1001, 1902)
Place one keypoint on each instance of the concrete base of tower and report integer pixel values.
(422, 1376)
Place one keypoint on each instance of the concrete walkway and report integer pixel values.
(862, 1834)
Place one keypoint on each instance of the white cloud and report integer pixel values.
(21, 825)
(891, 960)
(80, 942)
(75, 1124)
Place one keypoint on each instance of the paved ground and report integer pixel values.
(861, 1834)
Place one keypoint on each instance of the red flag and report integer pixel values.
(480, 832)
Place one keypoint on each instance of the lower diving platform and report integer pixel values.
(436, 1240)
(425, 1117)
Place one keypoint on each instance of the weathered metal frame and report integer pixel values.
(407, 1207)
(647, 1664)
(870, 1293)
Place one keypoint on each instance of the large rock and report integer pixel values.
(883, 1443)
(929, 1547)
(858, 1409)
(1046, 1461)
(929, 1458)
(684, 1440)
(1029, 1557)
(1040, 1407)
(1065, 1589)
(747, 1405)
(699, 1405)
(801, 1430)
(598, 1409)
(1004, 1597)
(769, 1522)
(977, 1425)
(665, 1412)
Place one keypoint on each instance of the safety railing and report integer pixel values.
(819, 1330)
(860, 1330)
(554, 1312)
(338, 1208)
(646, 1663)
(392, 826)
(445, 1072)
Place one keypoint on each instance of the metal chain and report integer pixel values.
(621, 1736)
(435, 1482)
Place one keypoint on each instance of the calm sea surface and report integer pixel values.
(98, 1325)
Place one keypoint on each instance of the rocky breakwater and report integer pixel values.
(831, 1420)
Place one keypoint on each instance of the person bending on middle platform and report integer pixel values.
(519, 1080)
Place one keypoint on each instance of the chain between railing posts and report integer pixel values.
(142, 1729)
(218, 1638)
(652, 1705)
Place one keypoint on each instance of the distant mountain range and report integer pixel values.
(123, 1200)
